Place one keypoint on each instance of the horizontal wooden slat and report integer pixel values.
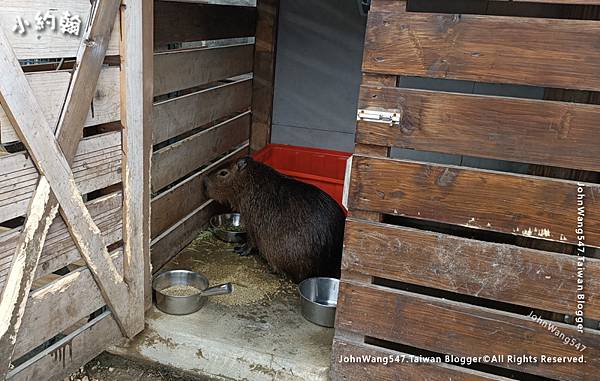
(173, 240)
(183, 69)
(179, 115)
(539, 132)
(59, 249)
(48, 43)
(97, 165)
(182, 22)
(519, 50)
(66, 356)
(54, 308)
(173, 205)
(51, 90)
(488, 270)
(459, 329)
(177, 160)
(524, 205)
(363, 371)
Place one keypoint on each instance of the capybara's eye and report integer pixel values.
(223, 173)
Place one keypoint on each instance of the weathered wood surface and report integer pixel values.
(264, 72)
(450, 327)
(47, 43)
(532, 131)
(183, 22)
(57, 306)
(137, 95)
(97, 164)
(521, 205)
(487, 270)
(59, 249)
(172, 241)
(173, 205)
(482, 48)
(177, 160)
(51, 89)
(53, 157)
(176, 116)
(391, 371)
(183, 69)
(66, 356)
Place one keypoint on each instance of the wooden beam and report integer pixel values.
(181, 22)
(51, 90)
(136, 99)
(265, 52)
(19, 101)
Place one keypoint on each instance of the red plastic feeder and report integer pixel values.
(323, 168)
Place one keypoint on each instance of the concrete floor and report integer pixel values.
(256, 334)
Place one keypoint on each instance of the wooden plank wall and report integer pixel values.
(60, 305)
(203, 96)
(439, 259)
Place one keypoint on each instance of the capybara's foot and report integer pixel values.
(243, 250)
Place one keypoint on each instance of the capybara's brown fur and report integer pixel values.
(295, 226)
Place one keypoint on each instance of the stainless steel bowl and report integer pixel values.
(219, 225)
(183, 305)
(318, 300)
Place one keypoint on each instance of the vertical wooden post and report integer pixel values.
(136, 114)
(264, 72)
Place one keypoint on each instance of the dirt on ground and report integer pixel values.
(107, 367)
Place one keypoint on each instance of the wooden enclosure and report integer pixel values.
(74, 129)
(207, 95)
(450, 260)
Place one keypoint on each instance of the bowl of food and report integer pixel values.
(228, 227)
(318, 300)
(182, 292)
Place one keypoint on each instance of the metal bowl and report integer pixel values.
(183, 305)
(219, 224)
(318, 300)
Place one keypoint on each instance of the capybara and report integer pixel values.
(295, 226)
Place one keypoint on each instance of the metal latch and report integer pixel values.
(386, 117)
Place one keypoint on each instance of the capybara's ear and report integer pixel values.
(242, 163)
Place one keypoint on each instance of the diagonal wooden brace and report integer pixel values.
(18, 100)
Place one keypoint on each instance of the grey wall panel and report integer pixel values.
(339, 141)
(319, 55)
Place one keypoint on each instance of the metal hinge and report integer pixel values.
(386, 117)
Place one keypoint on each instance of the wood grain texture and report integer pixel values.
(172, 241)
(137, 84)
(171, 206)
(97, 164)
(59, 249)
(183, 22)
(179, 115)
(482, 48)
(51, 89)
(53, 157)
(459, 329)
(390, 372)
(177, 160)
(66, 356)
(521, 205)
(57, 306)
(47, 43)
(532, 131)
(487, 270)
(183, 69)
(264, 72)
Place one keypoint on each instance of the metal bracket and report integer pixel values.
(387, 117)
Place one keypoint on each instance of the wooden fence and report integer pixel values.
(450, 260)
(72, 132)
(203, 96)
